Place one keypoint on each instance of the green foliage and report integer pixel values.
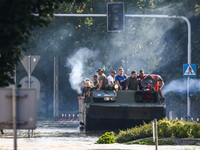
(165, 142)
(107, 138)
(16, 23)
(181, 129)
(193, 143)
(196, 130)
(142, 131)
(151, 142)
(164, 128)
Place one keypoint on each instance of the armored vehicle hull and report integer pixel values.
(113, 110)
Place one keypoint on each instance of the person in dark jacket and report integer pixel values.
(140, 78)
(96, 81)
(132, 82)
(149, 86)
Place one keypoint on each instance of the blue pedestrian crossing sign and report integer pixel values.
(189, 70)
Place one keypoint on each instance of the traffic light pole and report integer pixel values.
(150, 16)
(189, 50)
(140, 16)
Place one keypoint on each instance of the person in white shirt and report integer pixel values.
(111, 77)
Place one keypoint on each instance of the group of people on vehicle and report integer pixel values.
(119, 82)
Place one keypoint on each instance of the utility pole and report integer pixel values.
(56, 85)
(56, 90)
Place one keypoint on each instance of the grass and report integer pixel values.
(43, 118)
(193, 143)
(151, 142)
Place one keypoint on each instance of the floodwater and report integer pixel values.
(66, 136)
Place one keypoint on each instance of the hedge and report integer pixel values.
(166, 128)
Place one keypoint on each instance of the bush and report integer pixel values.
(107, 138)
(164, 128)
(196, 130)
(181, 129)
(142, 131)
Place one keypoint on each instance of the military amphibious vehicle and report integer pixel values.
(113, 110)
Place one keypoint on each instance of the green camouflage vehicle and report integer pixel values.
(113, 110)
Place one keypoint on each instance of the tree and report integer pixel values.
(17, 20)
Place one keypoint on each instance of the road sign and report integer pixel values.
(29, 63)
(189, 70)
(26, 108)
(35, 83)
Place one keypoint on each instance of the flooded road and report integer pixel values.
(66, 136)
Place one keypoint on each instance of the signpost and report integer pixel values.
(26, 108)
(155, 133)
(17, 110)
(189, 70)
(35, 83)
(29, 63)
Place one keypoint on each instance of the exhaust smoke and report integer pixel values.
(77, 64)
(180, 86)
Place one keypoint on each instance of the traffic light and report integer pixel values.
(115, 16)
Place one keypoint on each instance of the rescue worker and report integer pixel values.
(149, 86)
(140, 78)
(102, 80)
(132, 82)
(158, 85)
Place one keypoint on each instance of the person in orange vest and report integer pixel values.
(157, 86)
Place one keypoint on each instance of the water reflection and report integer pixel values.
(66, 136)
